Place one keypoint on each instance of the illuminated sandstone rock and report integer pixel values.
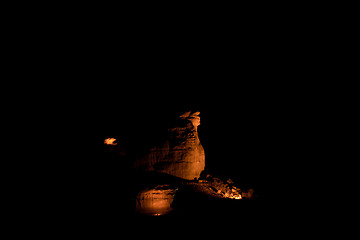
(181, 155)
(110, 141)
(156, 201)
(192, 117)
(223, 189)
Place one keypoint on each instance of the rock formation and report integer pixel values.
(155, 201)
(181, 155)
(161, 161)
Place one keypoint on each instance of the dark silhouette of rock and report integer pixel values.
(181, 155)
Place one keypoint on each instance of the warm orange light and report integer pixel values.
(156, 201)
(233, 196)
(236, 197)
(110, 141)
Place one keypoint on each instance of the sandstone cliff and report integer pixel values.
(181, 155)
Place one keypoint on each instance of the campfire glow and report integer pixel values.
(233, 195)
(110, 141)
(236, 197)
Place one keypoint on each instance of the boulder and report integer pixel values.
(155, 201)
(181, 154)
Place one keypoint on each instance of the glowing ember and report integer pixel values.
(236, 197)
(110, 141)
(233, 195)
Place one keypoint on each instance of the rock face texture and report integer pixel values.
(181, 155)
(155, 201)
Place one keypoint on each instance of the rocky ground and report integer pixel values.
(120, 194)
(168, 196)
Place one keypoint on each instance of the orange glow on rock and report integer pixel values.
(110, 141)
(155, 202)
(233, 195)
(236, 197)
